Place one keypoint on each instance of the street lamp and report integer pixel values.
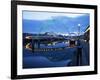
(79, 48)
(78, 40)
(79, 29)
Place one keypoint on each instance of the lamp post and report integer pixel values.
(78, 41)
(79, 30)
(79, 48)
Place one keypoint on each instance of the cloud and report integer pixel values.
(31, 15)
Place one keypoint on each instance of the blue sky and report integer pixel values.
(59, 23)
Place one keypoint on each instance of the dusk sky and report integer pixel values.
(59, 23)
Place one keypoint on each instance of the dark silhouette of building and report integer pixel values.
(87, 34)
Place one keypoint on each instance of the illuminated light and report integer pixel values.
(79, 24)
(28, 37)
(49, 44)
(28, 46)
(54, 43)
(66, 42)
